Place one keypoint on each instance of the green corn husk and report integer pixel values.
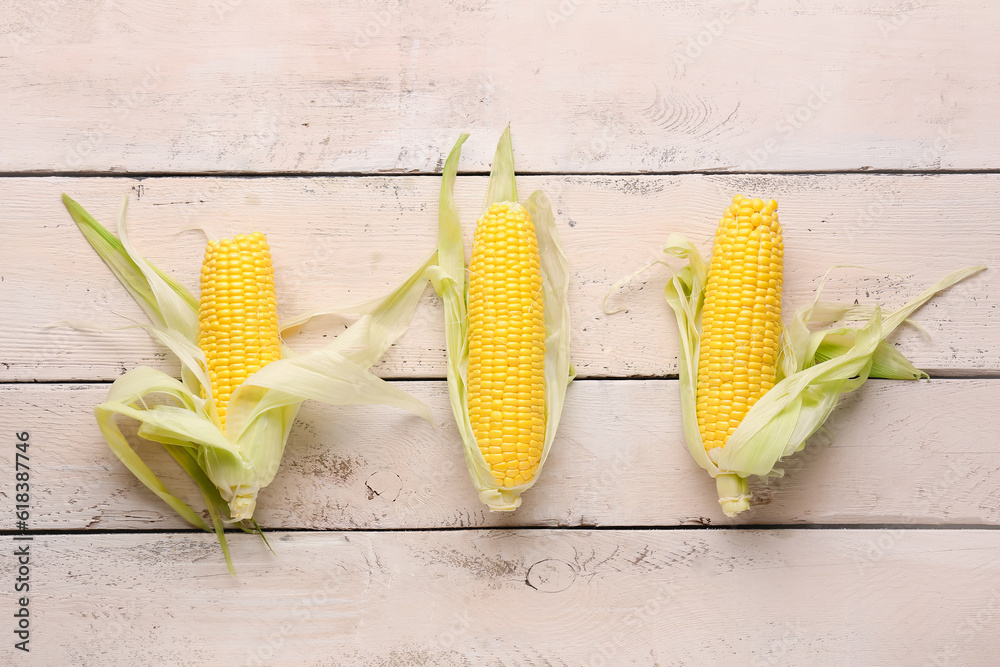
(814, 368)
(230, 466)
(449, 279)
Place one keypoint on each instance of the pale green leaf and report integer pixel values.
(451, 253)
(502, 185)
(179, 313)
(685, 293)
(191, 357)
(325, 376)
(262, 441)
(888, 363)
(383, 320)
(136, 385)
(555, 286)
(449, 280)
(165, 301)
(209, 493)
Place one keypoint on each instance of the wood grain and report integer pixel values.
(893, 453)
(342, 240)
(598, 87)
(540, 597)
(325, 125)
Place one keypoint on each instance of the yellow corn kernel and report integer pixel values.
(237, 313)
(741, 318)
(506, 372)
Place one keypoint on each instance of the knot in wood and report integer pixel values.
(551, 575)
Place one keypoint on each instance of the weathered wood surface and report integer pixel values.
(600, 86)
(338, 103)
(342, 240)
(893, 453)
(541, 597)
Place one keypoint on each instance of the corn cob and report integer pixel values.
(741, 319)
(229, 347)
(753, 391)
(506, 371)
(507, 328)
(237, 313)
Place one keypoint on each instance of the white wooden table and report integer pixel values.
(325, 125)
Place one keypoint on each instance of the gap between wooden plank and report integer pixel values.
(41, 173)
(459, 529)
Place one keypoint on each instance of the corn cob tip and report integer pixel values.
(242, 507)
(500, 500)
(756, 204)
(734, 493)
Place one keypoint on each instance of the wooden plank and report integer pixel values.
(894, 453)
(547, 597)
(338, 240)
(598, 87)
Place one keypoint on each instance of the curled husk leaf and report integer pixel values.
(449, 279)
(231, 465)
(814, 369)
